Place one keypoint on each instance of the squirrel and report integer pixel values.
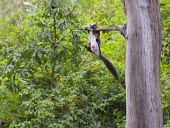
(94, 47)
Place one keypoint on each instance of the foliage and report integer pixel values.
(165, 11)
(81, 92)
(165, 63)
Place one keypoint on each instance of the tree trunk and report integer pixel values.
(143, 48)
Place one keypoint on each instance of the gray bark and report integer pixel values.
(143, 48)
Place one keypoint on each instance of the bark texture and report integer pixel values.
(143, 50)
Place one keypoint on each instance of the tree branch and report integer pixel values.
(121, 29)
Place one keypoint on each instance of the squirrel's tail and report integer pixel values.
(109, 66)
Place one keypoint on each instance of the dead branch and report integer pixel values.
(121, 29)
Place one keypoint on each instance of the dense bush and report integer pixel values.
(81, 92)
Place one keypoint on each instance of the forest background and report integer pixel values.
(44, 84)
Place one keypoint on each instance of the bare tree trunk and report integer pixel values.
(143, 48)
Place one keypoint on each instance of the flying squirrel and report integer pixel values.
(94, 47)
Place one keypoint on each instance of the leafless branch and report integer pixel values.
(121, 29)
